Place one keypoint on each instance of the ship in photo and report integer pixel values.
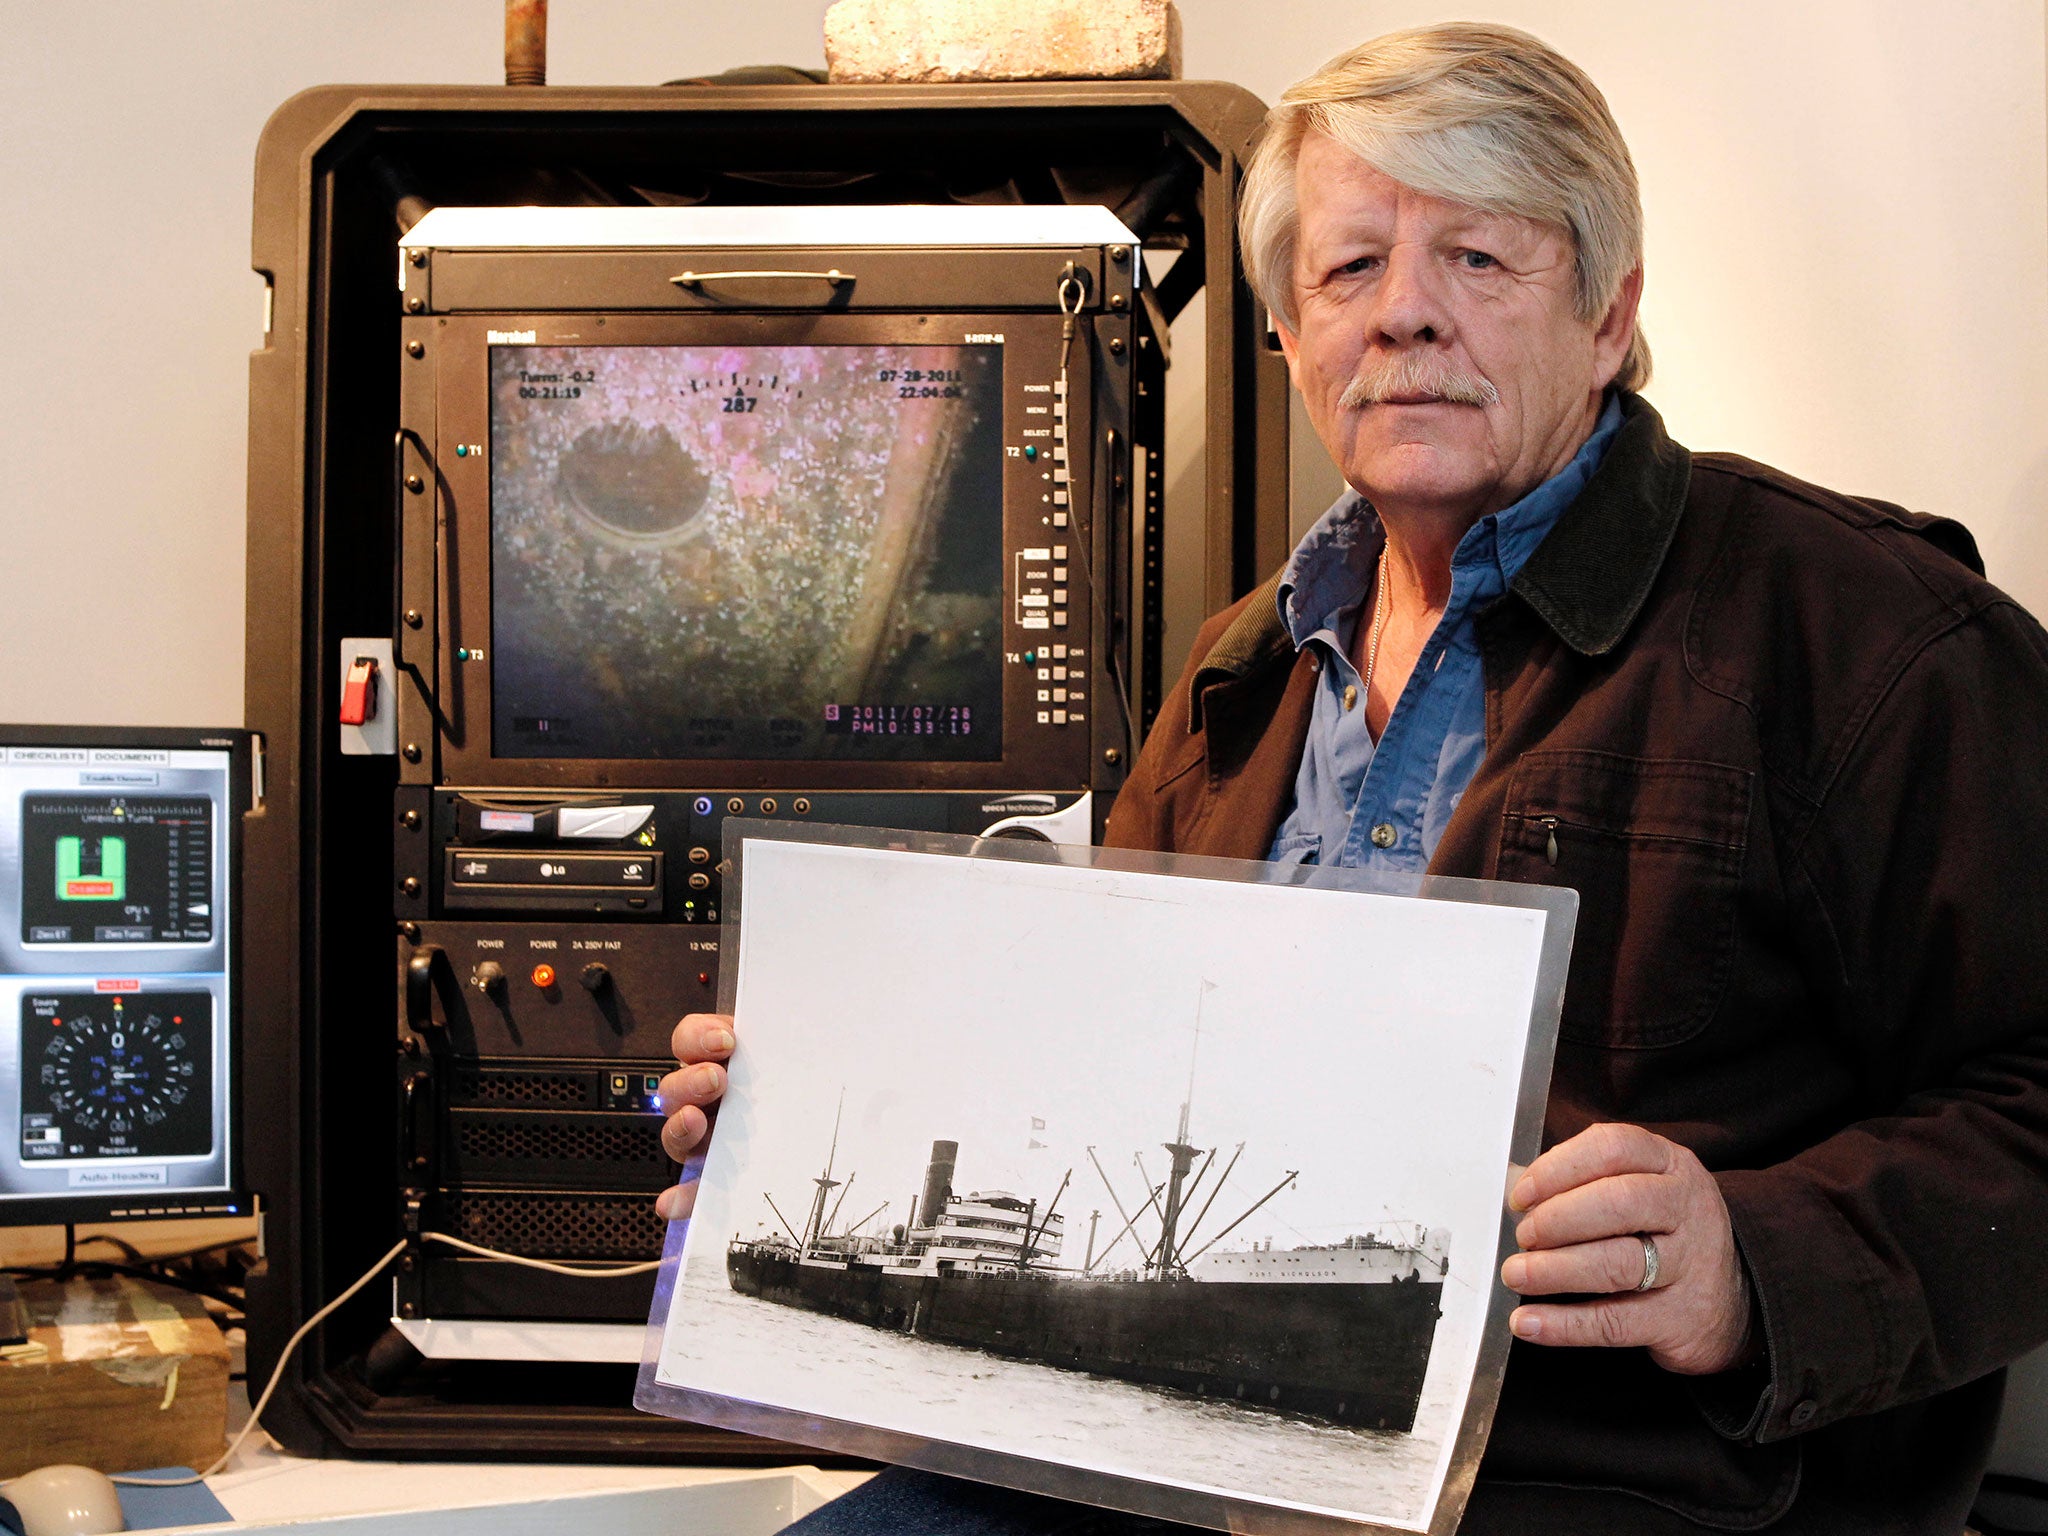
(1340, 1332)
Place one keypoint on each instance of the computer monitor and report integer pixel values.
(119, 1011)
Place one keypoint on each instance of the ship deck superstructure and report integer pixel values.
(1341, 1331)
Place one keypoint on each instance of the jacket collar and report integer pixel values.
(1590, 578)
(1587, 580)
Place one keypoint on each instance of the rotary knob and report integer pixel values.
(489, 979)
(595, 976)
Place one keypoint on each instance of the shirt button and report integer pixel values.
(1350, 697)
(1383, 835)
(1803, 1412)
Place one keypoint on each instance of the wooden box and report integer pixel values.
(117, 1374)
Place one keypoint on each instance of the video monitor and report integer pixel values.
(769, 552)
(118, 857)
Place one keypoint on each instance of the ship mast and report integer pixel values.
(814, 1228)
(1027, 1250)
(1183, 1155)
(844, 1190)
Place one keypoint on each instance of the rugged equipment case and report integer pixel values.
(339, 170)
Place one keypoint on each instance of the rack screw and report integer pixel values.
(415, 304)
(1116, 301)
(414, 618)
(415, 349)
(410, 885)
(412, 751)
(1112, 756)
(419, 256)
(1116, 346)
(412, 932)
(411, 820)
(1119, 254)
(415, 484)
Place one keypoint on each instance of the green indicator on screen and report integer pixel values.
(107, 882)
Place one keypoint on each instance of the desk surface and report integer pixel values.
(264, 1485)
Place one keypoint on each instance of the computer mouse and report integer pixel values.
(65, 1501)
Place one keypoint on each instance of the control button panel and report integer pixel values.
(609, 991)
(633, 1091)
(1055, 669)
(1033, 583)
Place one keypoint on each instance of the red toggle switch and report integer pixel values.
(359, 691)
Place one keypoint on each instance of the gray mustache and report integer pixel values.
(1414, 373)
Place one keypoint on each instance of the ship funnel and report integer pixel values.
(938, 1182)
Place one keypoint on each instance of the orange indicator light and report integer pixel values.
(543, 976)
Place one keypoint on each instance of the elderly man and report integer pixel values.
(1792, 1218)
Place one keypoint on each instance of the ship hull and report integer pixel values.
(1355, 1354)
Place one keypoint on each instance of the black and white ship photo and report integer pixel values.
(1186, 1182)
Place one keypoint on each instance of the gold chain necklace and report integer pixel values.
(1379, 624)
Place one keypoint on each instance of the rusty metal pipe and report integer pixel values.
(526, 42)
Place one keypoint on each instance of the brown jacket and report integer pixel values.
(1793, 750)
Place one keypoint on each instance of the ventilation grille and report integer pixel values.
(556, 1140)
(560, 1226)
(536, 1089)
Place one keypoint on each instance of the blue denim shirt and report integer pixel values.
(1412, 781)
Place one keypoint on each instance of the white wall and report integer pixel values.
(1847, 211)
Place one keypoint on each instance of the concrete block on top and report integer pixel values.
(933, 41)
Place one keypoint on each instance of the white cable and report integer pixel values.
(285, 1355)
(609, 1272)
(277, 1375)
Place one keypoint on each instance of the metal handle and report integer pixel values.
(697, 279)
(416, 1116)
(419, 988)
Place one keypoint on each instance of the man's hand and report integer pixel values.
(1586, 1200)
(701, 1041)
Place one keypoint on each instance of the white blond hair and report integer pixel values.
(1482, 115)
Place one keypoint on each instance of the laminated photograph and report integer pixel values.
(1174, 1185)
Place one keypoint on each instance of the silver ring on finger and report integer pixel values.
(1649, 1261)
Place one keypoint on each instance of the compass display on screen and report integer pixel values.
(116, 1075)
